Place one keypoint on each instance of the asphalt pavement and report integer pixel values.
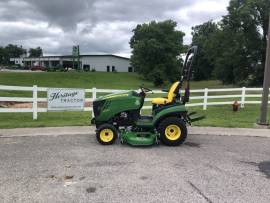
(75, 168)
(82, 130)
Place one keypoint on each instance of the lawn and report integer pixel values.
(51, 119)
(74, 79)
(216, 115)
(87, 80)
(84, 80)
(222, 116)
(71, 80)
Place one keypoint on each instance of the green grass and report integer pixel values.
(99, 80)
(87, 80)
(221, 116)
(70, 80)
(211, 84)
(74, 79)
(51, 119)
(216, 115)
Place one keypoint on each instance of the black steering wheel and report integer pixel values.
(145, 89)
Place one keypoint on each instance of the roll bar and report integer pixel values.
(187, 72)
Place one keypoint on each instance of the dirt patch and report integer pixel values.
(91, 189)
(264, 168)
(82, 178)
(68, 177)
(250, 163)
(143, 177)
(107, 164)
(192, 144)
(52, 177)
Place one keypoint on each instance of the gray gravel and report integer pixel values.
(75, 168)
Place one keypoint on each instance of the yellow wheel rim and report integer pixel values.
(106, 135)
(172, 132)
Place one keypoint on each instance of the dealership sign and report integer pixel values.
(65, 99)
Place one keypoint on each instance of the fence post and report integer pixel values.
(35, 102)
(94, 96)
(205, 99)
(243, 97)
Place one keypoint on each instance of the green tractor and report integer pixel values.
(118, 115)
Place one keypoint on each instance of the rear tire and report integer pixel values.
(173, 131)
(106, 134)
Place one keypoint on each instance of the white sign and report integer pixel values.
(65, 99)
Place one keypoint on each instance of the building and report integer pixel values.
(105, 63)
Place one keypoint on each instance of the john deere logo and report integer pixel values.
(137, 102)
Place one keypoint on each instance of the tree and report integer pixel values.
(10, 51)
(1, 55)
(236, 49)
(203, 36)
(259, 11)
(35, 52)
(155, 47)
(240, 45)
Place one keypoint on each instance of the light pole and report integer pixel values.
(266, 83)
(78, 58)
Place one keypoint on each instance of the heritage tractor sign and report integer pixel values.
(60, 99)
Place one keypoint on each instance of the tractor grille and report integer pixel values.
(97, 106)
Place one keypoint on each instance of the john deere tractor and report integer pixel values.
(118, 115)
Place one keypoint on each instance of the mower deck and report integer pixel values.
(138, 138)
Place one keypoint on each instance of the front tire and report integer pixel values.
(106, 134)
(173, 131)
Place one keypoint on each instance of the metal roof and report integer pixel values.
(82, 55)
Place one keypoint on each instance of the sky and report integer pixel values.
(98, 26)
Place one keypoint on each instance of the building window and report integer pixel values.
(113, 69)
(108, 68)
(130, 69)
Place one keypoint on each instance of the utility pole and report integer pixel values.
(78, 58)
(73, 55)
(266, 83)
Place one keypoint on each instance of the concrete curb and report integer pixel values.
(248, 132)
(84, 130)
(49, 131)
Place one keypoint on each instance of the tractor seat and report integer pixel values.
(170, 97)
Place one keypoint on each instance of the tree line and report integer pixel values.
(14, 51)
(231, 50)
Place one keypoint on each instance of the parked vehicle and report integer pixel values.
(15, 67)
(36, 68)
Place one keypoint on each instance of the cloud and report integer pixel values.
(97, 25)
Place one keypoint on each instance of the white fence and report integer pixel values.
(236, 94)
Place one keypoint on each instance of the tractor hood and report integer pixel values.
(108, 106)
(117, 95)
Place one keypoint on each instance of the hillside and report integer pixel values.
(87, 80)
